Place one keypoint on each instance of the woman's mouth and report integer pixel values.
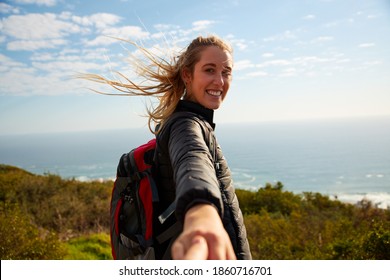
(214, 92)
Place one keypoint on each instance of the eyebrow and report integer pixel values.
(214, 65)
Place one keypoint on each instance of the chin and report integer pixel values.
(213, 106)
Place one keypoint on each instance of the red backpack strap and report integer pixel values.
(139, 155)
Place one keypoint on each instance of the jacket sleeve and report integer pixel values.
(193, 168)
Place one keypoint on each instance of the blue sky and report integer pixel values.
(306, 59)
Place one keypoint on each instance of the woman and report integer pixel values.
(189, 163)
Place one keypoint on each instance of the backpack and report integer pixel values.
(133, 198)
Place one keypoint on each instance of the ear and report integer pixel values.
(186, 75)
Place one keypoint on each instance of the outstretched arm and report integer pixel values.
(203, 236)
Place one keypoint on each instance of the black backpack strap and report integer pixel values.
(171, 233)
(167, 213)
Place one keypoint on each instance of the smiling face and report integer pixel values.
(209, 82)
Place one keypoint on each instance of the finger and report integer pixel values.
(177, 250)
(230, 255)
(217, 249)
(198, 249)
(221, 249)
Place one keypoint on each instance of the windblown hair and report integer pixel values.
(164, 78)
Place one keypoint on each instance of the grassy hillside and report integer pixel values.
(46, 217)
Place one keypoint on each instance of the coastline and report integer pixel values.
(379, 199)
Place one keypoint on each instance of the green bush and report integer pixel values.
(68, 207)
(376, 244)
(283, 225)
(20, 239)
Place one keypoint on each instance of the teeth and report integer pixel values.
(214, 92)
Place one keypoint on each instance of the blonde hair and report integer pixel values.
(164, 78)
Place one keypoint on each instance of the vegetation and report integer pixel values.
(92, 247)
(282, 225)
(46, 217)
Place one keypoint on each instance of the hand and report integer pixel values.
(203, 236)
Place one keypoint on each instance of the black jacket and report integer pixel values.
(192, 169)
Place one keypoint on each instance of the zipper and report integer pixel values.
(129, 195)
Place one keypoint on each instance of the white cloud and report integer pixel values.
(323, 39)
(373, 63)
(372, 16)
(48, 3)
(30, 83)
(127, 32)
(165, 31)
(7, 62)
(243, 64)
(286, 35)
(296, 66)
(95, 54)
(32, 32)
(202, 24)
(69, 67)
(105, 25)
(33, 45)
(197, 27)
(289, 72)
(309, 17)
(100, 41)
(47, 75)
(332, 24)
(38, 27)
(165, 27)
(367, 45)
(16, 77)
(267, 55)
(257, 74)
(99, 20)
(241, 44)
(69, 55)
(5, 9)
(159, 35)
(275, 62)
(42, 57)
(309, 60)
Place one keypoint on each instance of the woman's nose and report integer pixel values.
(218, 80)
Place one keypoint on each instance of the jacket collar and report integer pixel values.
(207, 114)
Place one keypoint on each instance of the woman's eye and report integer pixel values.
(210, 70)
(227, 73)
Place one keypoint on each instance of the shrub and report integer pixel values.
(20, 239)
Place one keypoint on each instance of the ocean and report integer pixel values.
(344, 158)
